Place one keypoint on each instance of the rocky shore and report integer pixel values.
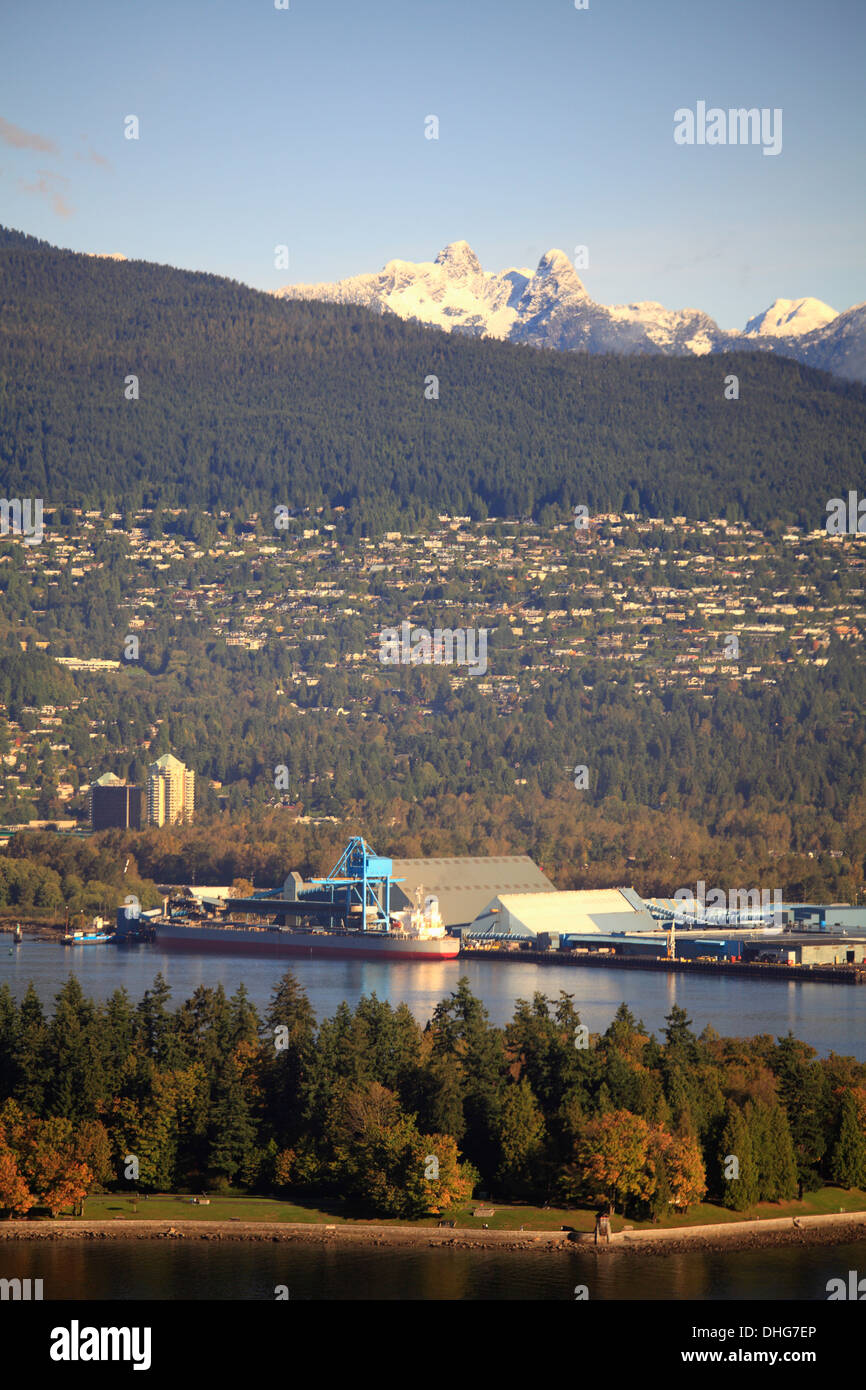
(745, 1235)
(836, 1229)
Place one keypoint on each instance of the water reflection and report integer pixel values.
(830, 1017)
(128, 1269)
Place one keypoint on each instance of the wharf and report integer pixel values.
(827, 974)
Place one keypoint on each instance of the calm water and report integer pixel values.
(830, 1017)
(203, 1270)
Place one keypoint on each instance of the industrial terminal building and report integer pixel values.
(507, 901)
(464, 886)
(585, 912)
(616, 921)
(833, 917)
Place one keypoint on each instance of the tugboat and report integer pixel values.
(96, 935)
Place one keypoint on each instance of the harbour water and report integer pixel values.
(135, 1269)
(832, 1018)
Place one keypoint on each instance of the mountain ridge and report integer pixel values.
(248, 401)
(551, 307)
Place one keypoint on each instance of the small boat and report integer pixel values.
(95, 935)
(17, 937)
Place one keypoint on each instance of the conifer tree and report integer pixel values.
(232, 1133)
(848, 1161)
(289, 1058)
(521, 1138)
(785, 1160)
(736, 1157)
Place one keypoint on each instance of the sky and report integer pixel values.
(304, 127)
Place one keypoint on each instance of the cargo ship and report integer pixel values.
(285, 941)
(346, 915)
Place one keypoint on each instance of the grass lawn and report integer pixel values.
(106, 1206)
(507, 1217)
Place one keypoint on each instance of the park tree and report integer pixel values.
(439, 1096)
(382, 1160)
(784, 1158)
(116, 1030)
(737, 1162)
(143, 1124)
(243, 1018)
(848, 1160)
(232, 1132)
(804, 1092)
(612, 1156)
(152, 1018)
(16, 1199)
(679, 1169)
(50, 1165)
(522, 1141)
(450, 1182)
(288, 1059)
(772, 1151)
(463, 1035)
(73, 1054)
(545, 1044)
(8, 1042)
(32, 1082)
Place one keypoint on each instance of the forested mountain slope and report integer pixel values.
(248, 400)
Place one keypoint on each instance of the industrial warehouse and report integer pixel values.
(617, 922)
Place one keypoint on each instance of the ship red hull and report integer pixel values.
(321, 947)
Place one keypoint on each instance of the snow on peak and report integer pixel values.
(790, 317)
(551, 308)
(554, 262)
(459, 258)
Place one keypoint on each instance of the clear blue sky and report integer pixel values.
(306, 127)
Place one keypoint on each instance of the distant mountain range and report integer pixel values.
(551, 308)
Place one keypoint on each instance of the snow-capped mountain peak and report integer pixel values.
(555, 263)
(552, 308)
(556, 276)
(452, 292)
(458, 258)
(786, 317)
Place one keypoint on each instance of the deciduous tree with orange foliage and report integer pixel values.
(679, 1168)
(43, 1167)
(16, 1199)
(621, 1157)
(612, 1158)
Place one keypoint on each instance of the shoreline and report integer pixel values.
(834, 1229)
(33, 931)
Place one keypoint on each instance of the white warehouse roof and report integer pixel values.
(593, 911)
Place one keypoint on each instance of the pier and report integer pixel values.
(827, 974)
